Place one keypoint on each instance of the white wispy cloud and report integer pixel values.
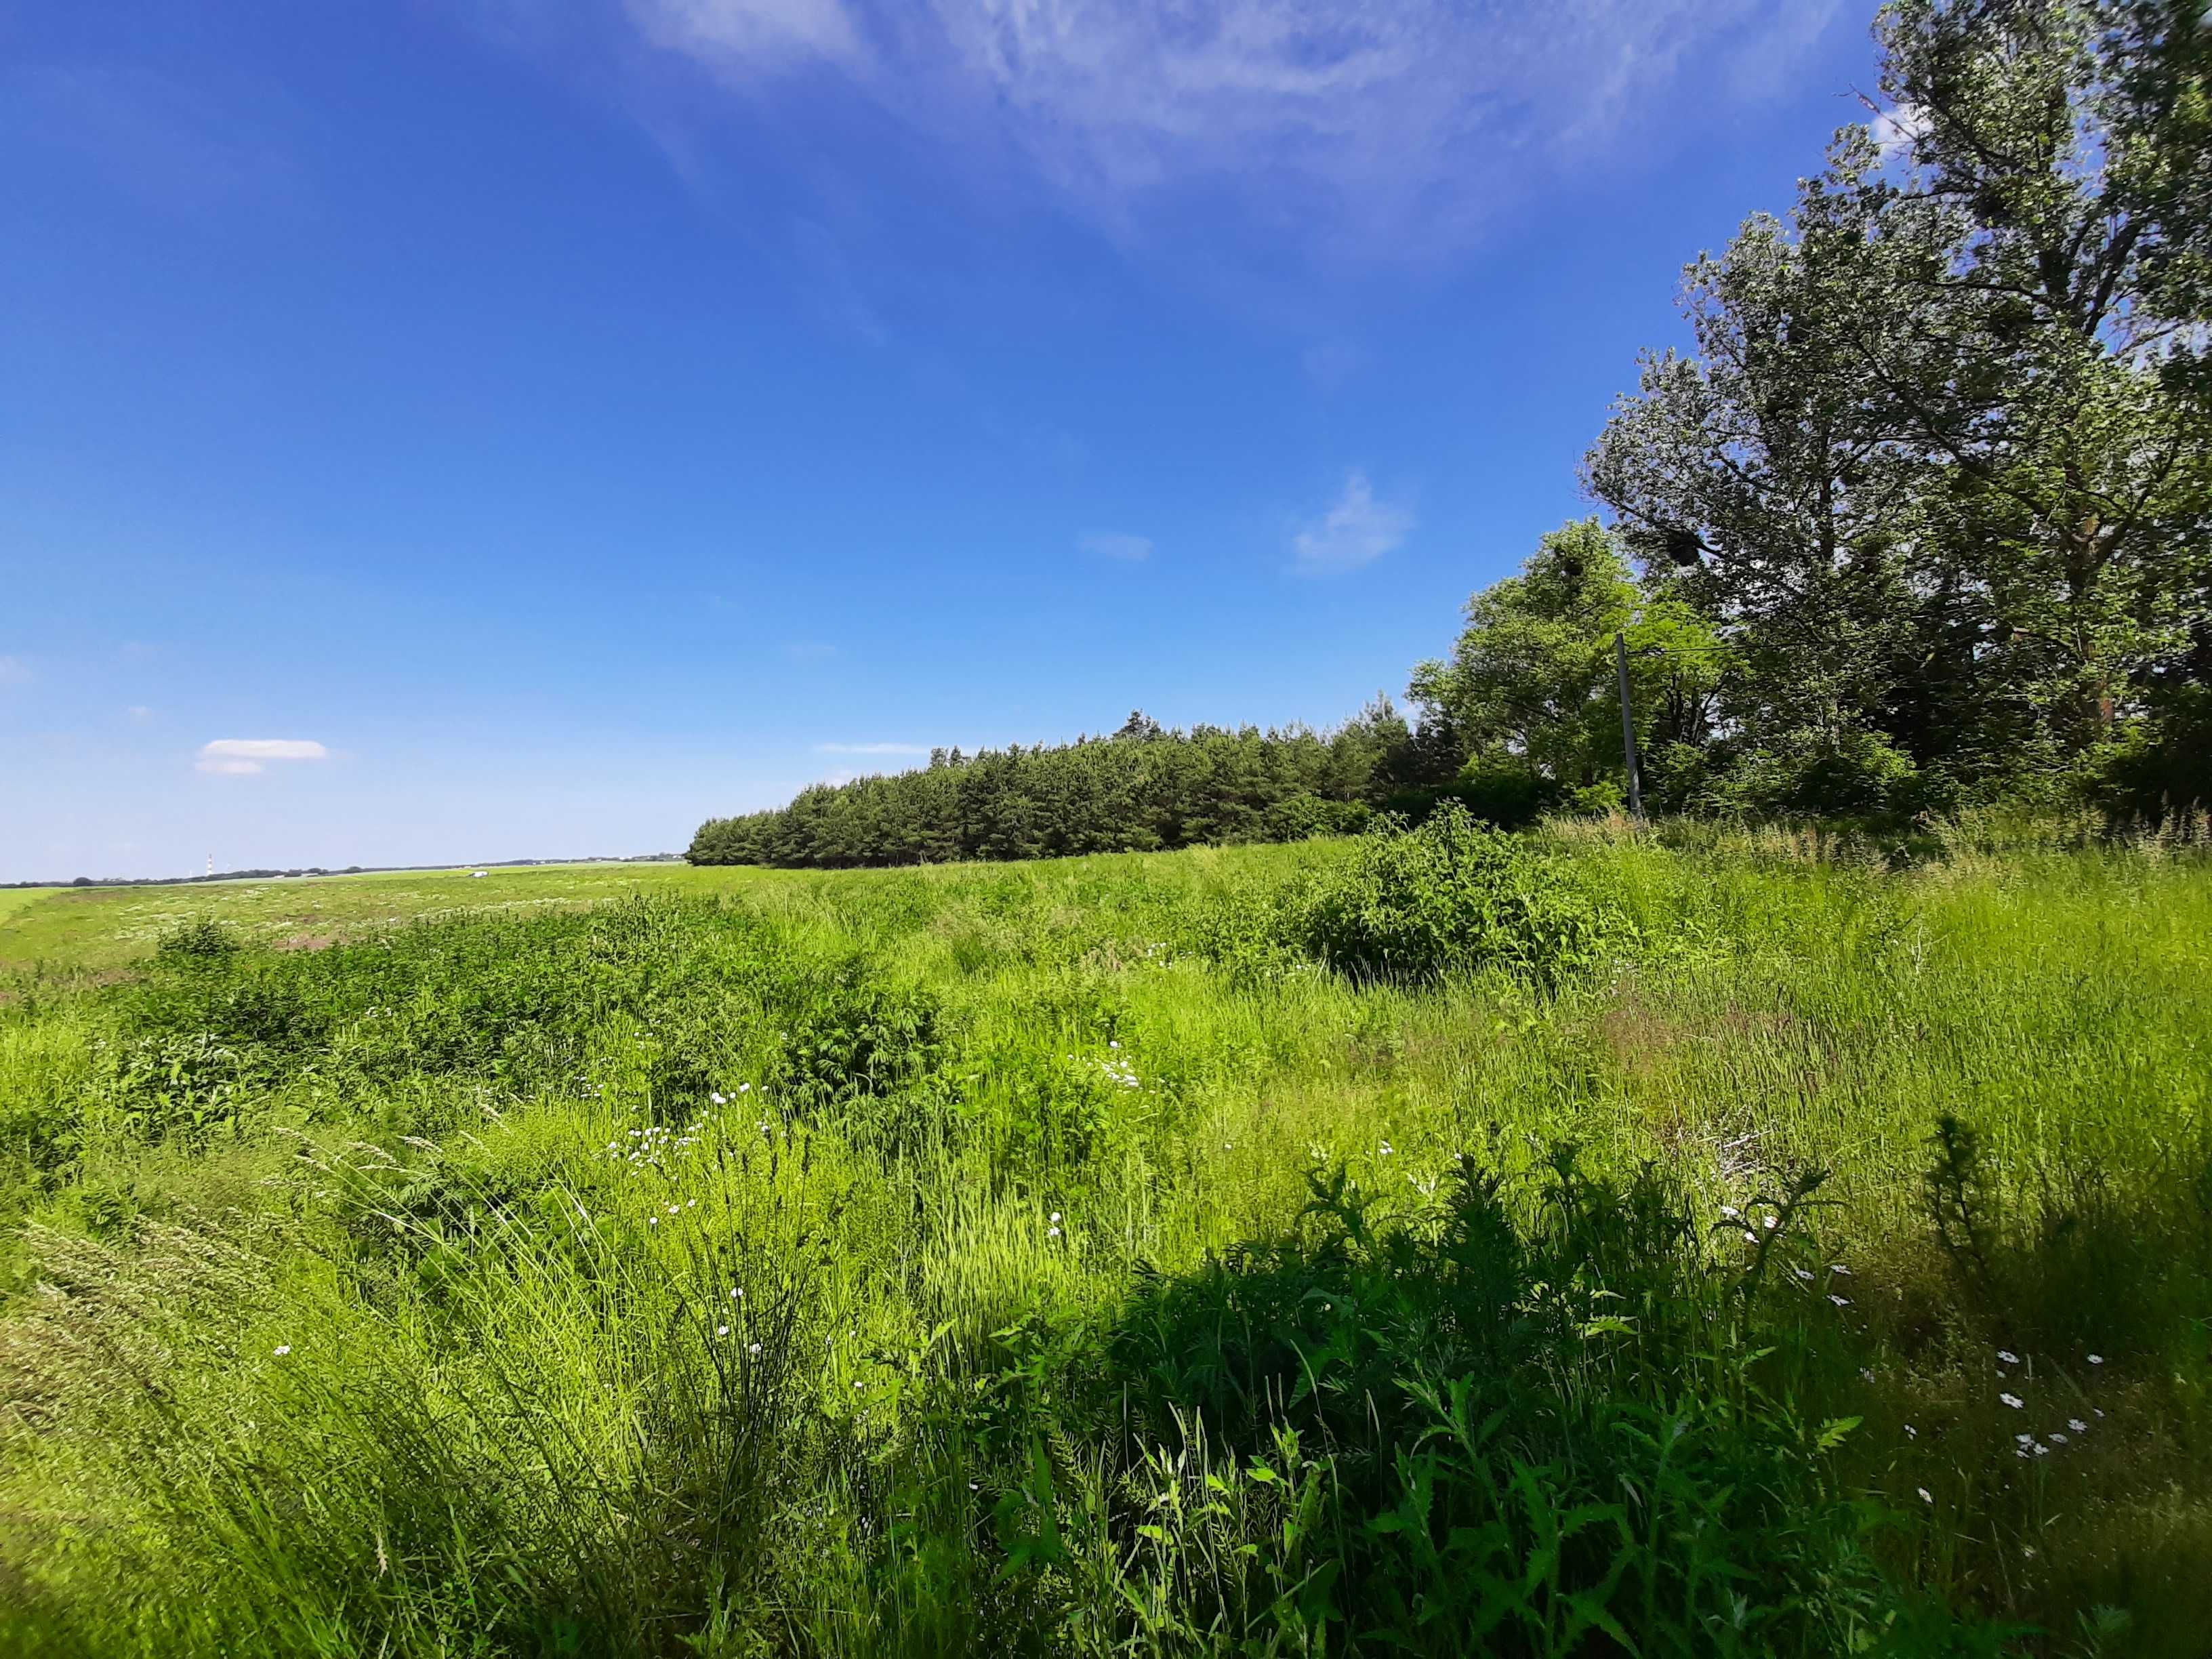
(243, 757)
(871, 749)
(1356, 530)
(749, 35)
(139, 711)
(1389, 131)
(1116, 544)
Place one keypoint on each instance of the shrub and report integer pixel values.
(200, 941)
(1453, 895)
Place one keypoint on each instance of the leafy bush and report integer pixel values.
(1452, 896)
(1547, 1428)
(201, 940)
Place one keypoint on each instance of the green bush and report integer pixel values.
(1453, 895)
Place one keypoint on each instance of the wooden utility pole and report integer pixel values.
(1628, 729)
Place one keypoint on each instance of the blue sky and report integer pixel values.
(548, 424)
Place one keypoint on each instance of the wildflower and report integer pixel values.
(1866, 1373)
(2024, 1439)
(2096, 1360)
(1113, 1045)
(1052, 1232)
(2042, 1450)
(2057, 1438)
(283, 1348)
(1771, 1223)
(2077, 1425)
(1926, 1496)
(2009, 1357)
(1055, 1215)
(2029, 1552)
(653, 1221)
(721, 1330)
(736, 1295)
(1838, 1267)
(2013, 1401)
(1840, 1301)
(717, 1099)
(1911, 1433)
(1731, 1212)
(1805, 1274)
(752, 1348)
(1388, 1149)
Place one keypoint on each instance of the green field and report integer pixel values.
(1103, 1256)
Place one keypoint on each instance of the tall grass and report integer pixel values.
(1064, 1258)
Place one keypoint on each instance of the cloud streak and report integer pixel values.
(238, 758)
(1356, 531)
(1116, 544)
(1387, 130)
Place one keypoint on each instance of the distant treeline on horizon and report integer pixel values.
(1141, 789)
(319, 870)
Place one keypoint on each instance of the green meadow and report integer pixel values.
(1689, 1243)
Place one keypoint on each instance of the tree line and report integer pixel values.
(1924, 519)
(1141, 789)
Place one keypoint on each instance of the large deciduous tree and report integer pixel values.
(1941, 463)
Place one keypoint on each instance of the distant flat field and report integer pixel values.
(80, 927)
(17, 899)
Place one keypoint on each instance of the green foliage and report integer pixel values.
(1532, 685)
(1940, 467)
(1141, 790)
(1454, 896)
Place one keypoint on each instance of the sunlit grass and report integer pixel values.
(976, 1127)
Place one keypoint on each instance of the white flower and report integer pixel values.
(1113, 1045)
(1771, 1223)
(2013, 1401)
(1388, 1149)
(1052, 1232)
(752, 1348)
(2009, 1357)
(653, 1221)
(1751, 1238)
(2096, 1360)
(283, 1348)
(721, 1330)
(1926, 1496)
(1866, 1373)
(2058, 1437)
(2024, 1439)
(1840, 1301)
(2077, 1425)
(1731, 1212)
(1911, 1433)
(1805, 1274)
(717, 1099)
(2042, 1450)
(1055, 1215)
(1838, 1267)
